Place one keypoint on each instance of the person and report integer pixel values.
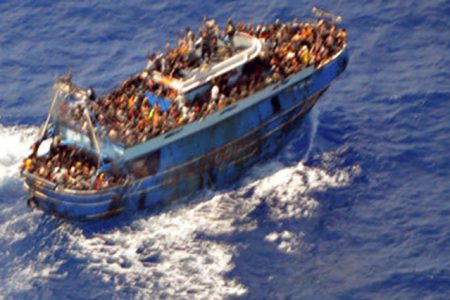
(91, 94)
(164, 68)
(230, 30)
(98, 183)
(206, 47)
(341, 37)
(191, 115)
(151, 65)
(190, 57)
(330, 42)
(179, 100)
(60, 176)
(184, 112)
(212, 107)
(113, 134)
(304, 54)
(27, 164)
(157, 116)
(221, 104)
(215, 93)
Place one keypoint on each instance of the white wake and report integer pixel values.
(176, 253)
(313, 117)
(15, 142)
(164, 254)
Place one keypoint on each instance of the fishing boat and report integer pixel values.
(210, 151)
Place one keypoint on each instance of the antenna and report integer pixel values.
(322, 13)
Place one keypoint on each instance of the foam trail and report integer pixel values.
(15, 142)
(314, 119)
(175, 254)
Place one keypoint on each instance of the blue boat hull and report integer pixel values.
(209, 154)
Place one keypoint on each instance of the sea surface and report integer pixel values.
(357, 206)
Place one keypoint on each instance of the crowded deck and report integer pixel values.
(163, 97)
(146, 105)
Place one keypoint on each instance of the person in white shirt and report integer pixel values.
(215, 93)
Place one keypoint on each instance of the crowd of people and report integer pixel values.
(126, 116)
(207, 45)
(70, 167)
(292, 46)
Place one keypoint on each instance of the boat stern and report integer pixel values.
(91, 204)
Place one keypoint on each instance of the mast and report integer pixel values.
(63, 88)
(63, 84)
(92, 131)
(50, 113)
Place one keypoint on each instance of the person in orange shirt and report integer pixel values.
(156, 117)
(27, 165)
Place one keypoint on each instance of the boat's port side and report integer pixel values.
(197, 116)
(223, 164)
(219, 168)
(245, 135)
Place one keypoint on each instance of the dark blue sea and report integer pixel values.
(356, 206)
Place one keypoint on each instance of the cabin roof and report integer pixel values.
(251, 48)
